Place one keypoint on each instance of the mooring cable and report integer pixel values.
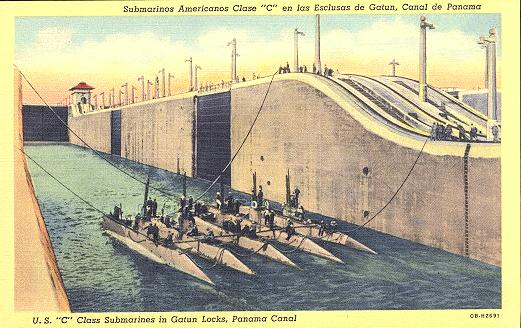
(243, 141)
(395, 193)
(84, 142)
(61, 183)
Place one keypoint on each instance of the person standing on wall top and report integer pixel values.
(473, 133)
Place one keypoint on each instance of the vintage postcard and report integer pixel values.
(260, 164)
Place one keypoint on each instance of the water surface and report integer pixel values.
(102, 275)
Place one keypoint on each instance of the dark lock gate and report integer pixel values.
(213, 146)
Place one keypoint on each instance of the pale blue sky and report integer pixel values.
(183, 28)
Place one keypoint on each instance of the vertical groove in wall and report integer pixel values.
(466, 191)
(194, 138)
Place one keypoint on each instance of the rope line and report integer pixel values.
(85, 143)
(395, 193)
(63, 185)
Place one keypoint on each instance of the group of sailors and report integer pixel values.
(235, 227)
(151, 208)
(304, 69)
(444, 132)
(228, 204)
(188, 209)
(327, 228)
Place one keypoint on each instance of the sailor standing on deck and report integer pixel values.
(182, 202)
(154, 208)
(219, 200)
(190, 202)
(253, 230)
(297, 193)
(272, 219)
(300, 212)
(321, 229)
(260, 196)
(169, 239)
(266, 215)
(290, 230)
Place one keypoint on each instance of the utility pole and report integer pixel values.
(125, 86)
(489, 42)
(394, 63)
(162, 71)
(156, 88)
(112, 96)
(318, 65)
(133, 94)
(423, 57)
(170, 76)
(233, 43)
(142, 79)
(189, 60)
(296, 33)
(197, 67)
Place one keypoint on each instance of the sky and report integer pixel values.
(56, 53)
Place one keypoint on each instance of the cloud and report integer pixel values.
(54, 38)
(121, 57)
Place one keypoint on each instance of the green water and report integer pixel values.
(101, 274)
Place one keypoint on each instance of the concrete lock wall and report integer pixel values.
(93, 128)
(326, 146)
(159, 132)
(155, 132)
(326, 150)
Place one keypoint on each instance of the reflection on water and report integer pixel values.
(102, 275)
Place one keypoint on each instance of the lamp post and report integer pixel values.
(296, 33)
(423, 57)
(162, 71)
(112, 97)
(125, 93)
(170, 76)
(318, 65)
(489, 43)
(133, 94)
(142, 79)
(233, 43)
(196, 68)
(189, 60)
